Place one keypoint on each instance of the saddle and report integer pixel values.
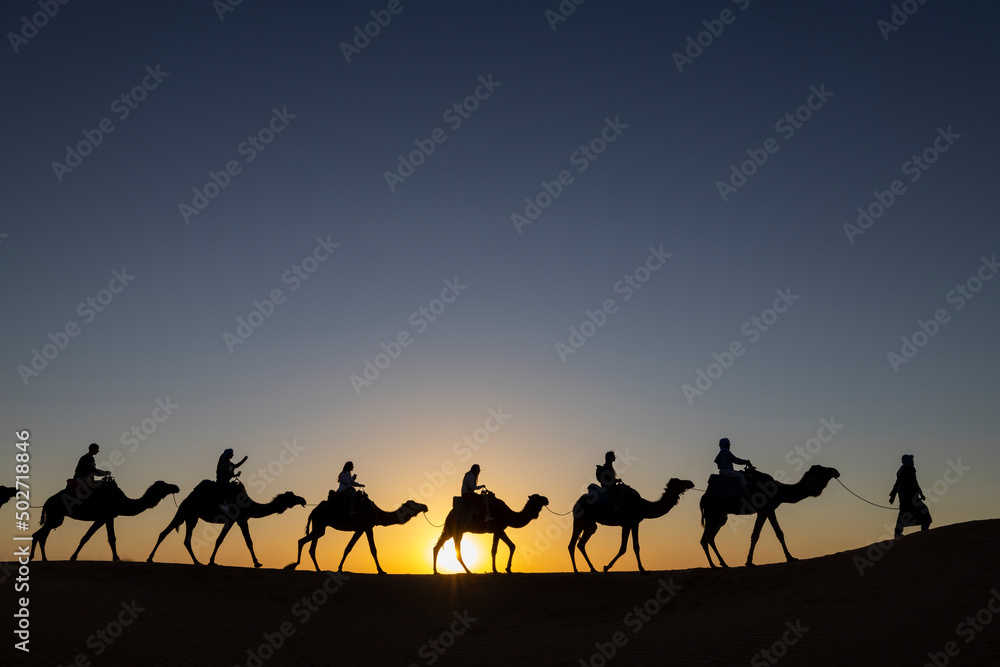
(724, 487)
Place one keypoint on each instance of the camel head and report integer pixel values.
(678, 486)
(536, 503)
(286, 500)
(6, 493)
(160, 490)
(410, 509)
(818, 477)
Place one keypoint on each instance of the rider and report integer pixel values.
(725, 460)
(347, 484)
(86, 467)
(607, 478)
(225, 474)
(470, 484)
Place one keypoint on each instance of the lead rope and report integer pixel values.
(894, 509)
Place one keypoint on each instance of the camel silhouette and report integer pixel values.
(336, 514)
(631, 511)
(6, 493)
(766, 495)
(205, 503)
(503, 517)
(102, 506)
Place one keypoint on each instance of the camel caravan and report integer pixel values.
(477, 510)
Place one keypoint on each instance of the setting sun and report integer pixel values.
(447, 562)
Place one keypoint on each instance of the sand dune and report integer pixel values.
(912, 600)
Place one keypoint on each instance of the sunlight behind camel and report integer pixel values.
(448, 561)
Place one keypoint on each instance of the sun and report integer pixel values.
(447, 562)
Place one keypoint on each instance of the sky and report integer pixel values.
(635, 227)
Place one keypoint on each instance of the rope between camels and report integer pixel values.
(424, 514)
(894, 509)
(557, 513)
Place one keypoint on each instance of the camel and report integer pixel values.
(6, 493)
(333, 514)
(767, 495)
(205, 503)
(101, 506)
(632, 510)
(503, 517)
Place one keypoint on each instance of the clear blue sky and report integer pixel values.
(212, 89)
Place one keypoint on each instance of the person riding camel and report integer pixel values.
(86, 468)
(725, 460)
(470, 484)
(225, 475)
(348, 482)
(608, 480)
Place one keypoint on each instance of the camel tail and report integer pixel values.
(702, 516)
(41, 521)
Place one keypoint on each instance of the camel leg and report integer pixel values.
(712, 527)
(112, 540)
(445, 536)
(621, 550)
(39, 538)
(781, 536)
(458, 553)
(226, 527)
(245, 529)
(174, 524)
(510, 545)
(188, 531)
(370, 534)
(757, 525)
(635, 548)
(350, 545)
(588, 532)
(97, 525)
(493, 552)
(314, 536)
(574, 536)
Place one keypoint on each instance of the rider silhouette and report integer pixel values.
(347, 484)
(608, 480)
(86, 468)
(725, 460)
(470, 484)
(225, 475)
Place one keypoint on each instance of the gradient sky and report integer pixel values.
(494, 347)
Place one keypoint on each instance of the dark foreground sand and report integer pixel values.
(913, 600)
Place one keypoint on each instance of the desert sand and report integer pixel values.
(911, 601)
